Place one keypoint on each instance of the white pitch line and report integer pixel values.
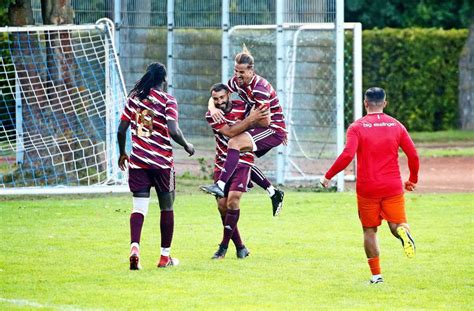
(34, 304)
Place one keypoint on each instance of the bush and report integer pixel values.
(419, 70)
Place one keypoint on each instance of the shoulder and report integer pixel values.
(238, 105)
(392, 120)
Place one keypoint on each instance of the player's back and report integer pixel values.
(378, 171)
(151, 143)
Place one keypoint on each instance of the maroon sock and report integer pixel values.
(230, 223)
(136, 224)
(235, 236)
(259, 178)
(166, 228)
(230, 165)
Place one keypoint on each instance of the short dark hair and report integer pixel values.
(218, 87)
(375, 95)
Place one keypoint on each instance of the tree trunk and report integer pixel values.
(466, 83)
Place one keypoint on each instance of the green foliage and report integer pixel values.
(4, 4)
(403, 14)
(71, 252)
(419, 70)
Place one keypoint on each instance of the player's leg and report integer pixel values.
(393, 210)
(164, 183)
(276, 195)
(140, 187)
(237, 186)
(370, 218)
(236, 239)
(237, 144)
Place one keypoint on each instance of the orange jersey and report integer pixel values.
(376, 139)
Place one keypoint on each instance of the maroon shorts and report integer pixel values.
(239, 180)
(264, 139)
(141, 180)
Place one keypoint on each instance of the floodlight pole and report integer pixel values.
(280, 84)
(340, 85)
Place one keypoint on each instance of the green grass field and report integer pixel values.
(72, 253)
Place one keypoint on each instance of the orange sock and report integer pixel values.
(374, 264)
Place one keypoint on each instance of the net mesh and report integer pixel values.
(308, 99)
(61, 93)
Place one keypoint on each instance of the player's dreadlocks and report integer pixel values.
(244, 57)
(155, 75)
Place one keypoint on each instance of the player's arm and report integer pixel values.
(408, 147)
(216, 114)
(122, 138)
(254, 119)
(177, 136)
(344, 159)
(263, 101)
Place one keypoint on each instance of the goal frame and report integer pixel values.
(115, 180)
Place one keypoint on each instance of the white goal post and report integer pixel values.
(62, 92)
(308, 94)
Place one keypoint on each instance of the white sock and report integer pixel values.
(375, 277)
(221, 184)
(135, 244)
(271, 190)
(165, 251)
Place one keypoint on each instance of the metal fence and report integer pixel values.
(196, 49)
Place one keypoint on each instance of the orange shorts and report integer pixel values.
(372, 211)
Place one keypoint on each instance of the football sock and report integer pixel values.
(235, 236)
(136, 224)
(230, 223)
(165, 251)
(259, 178)
(166, 228)
(374, 264)
(134, 247)
(230, 165)
(271, 191)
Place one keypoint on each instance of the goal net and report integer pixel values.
(308, 97)
(61, 95)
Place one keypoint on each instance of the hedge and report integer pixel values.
(419, 70)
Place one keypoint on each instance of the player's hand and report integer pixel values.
(122, 161)
(258, 114)
(324, 182)
(409, 186)
(217, 115)
(189, 148)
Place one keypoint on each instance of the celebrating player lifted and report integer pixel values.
(256, 92)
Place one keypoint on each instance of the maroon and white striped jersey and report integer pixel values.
(237, 114)
(151, 142)
(257, 93)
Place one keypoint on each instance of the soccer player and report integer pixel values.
(257, 92)
(153, 116)
(232, 127)
(376, 139)
(234, 118)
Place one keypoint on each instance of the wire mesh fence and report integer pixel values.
(196, 53)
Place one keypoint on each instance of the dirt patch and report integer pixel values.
(440, 175)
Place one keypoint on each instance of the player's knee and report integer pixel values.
(165, 201)
(140, 204)
(233, 204)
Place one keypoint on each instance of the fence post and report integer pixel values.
(280, 83)
(170, 42)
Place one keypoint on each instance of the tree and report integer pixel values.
(403, 14)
